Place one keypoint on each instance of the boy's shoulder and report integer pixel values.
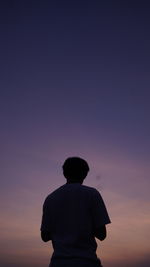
(91, 190)
(82, 188)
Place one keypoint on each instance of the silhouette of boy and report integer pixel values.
(73, 215)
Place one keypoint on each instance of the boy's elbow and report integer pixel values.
(102, 237)
(44, 239)
(45, 236)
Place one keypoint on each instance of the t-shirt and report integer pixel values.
(71, 214)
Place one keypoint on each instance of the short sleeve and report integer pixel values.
(99, 212)
(45, 224)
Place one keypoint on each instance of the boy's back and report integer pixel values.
(72, 215)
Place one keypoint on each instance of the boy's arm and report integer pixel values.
(45, 224)
(100, 216)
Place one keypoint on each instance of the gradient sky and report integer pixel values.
(75, 81)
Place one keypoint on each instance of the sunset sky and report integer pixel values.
(75, 81)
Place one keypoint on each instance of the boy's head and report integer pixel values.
(75, 169)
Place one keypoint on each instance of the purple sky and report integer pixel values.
(75, 81)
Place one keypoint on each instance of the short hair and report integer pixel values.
(75, 168)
